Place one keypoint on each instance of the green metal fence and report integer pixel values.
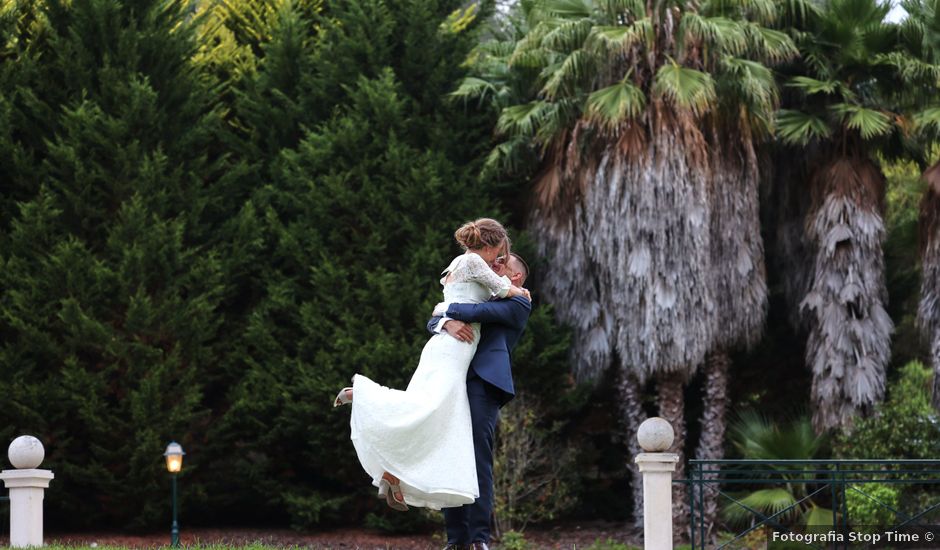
(812, 502)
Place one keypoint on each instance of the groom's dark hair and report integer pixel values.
(525, 266)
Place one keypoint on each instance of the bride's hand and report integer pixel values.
(519, 291)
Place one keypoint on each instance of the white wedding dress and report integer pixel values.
(423, 435)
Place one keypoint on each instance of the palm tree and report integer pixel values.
(757, 438)
(643, 119)
(920, 38)
(849, 65)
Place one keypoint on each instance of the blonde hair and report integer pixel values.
(482, 232)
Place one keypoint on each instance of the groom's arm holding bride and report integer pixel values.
(512, 312)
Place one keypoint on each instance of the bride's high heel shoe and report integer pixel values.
(344, 397)
(390, 487)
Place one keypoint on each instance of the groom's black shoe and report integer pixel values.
(455, 547)
(479, 545)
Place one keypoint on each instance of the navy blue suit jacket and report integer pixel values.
(503, 322)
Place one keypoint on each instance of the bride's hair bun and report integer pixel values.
(479, 233)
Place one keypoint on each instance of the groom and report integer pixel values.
(489, 387)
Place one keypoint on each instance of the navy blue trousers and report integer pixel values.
(471, 522)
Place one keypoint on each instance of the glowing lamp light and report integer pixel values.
(174, 457)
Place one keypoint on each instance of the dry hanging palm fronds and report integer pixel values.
(739, 277)
(633, 261)
(928, 311)
(850, 336)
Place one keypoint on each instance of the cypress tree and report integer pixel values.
(110, 282)
(359, 215)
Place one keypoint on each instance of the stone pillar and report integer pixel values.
(656, 435)
(27, 487)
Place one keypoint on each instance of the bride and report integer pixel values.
(417, 444)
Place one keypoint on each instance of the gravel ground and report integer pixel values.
(568, 537)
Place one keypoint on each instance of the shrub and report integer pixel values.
(513, 540)
(610, 544)
(904, 426)
(871, 508)
(530, 482)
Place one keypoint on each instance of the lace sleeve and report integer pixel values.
(477, 270)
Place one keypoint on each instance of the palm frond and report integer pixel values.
(558, 117)
(472, 87)
(799, 128)
(868, 122)
(522, 120)
(911, 69)
(616, 10)
(508, 157)
(768, 501)
(534, 58)
(613, 105)
(686, 88)
(763, 11)
(753, 83)
(496, 48)
(769, 45)
(533, 39)
(795, 13)
(928, 121)
(568, 36)
(811, 86)
(566, 9)
(723, 34)
(817, 516)
(563, 80)
(757, 437)
(621, 38)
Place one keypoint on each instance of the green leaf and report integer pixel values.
(766, 501)
(568, 36)
(522, 120)
(507, 157)
(610, 106)
(564, 79)
(566, 9)
(686, 88)
(716, 32)
(927, 120)
(817, 516)
(473, 88)
(799, 128)
(753, 83)
(770, 45)
(536, 58)
(621, 38)
(812, 86)
(558, 117)
(617, 8)
(868, 122)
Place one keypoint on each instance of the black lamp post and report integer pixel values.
(174, 463)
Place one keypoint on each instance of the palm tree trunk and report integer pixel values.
(928, 311)
(671, 408)
(631, 415)
(789, 205)
(850, 335)
(713, 422)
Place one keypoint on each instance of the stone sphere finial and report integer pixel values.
(26, 452)
(655, 435)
